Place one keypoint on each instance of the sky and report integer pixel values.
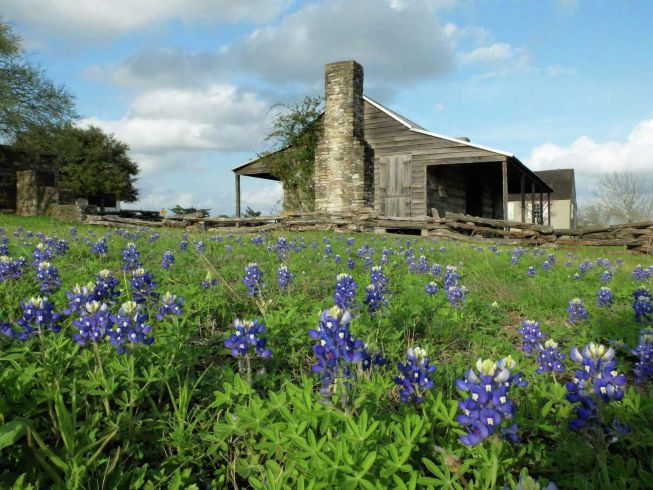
(190, 85)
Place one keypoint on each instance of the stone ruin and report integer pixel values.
(29, 187)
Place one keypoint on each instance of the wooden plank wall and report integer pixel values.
(389, 137)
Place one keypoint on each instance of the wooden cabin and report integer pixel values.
(369, 156)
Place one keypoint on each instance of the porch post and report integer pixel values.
(532, 201)
(523, 197)
(237, 195)
(541, 207)
(548, 206)
(504, 178)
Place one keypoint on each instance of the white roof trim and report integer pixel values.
(428, 133)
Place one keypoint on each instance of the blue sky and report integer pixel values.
(189, 84)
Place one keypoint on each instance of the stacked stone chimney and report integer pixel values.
(344, 164)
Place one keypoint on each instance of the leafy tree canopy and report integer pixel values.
(295, 133)
(250, 213)
(27, 97)
(179, 210)
(91, 162)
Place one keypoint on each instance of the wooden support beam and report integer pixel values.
(541, 207)
(237, 196)
(523, 197)
(504, 194)
(533, 201)
(548, 207)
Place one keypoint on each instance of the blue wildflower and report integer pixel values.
(606, 298)
(550, 358)
(284, 277)
(642, 306)
(38, 316)
(248, 336)
(431, 288)
(531, 335)
(253, 279)
(105, 287)
(576, 311)
(345, 292)
(48, 277)
(167, 260)
(414, 377)
(93, 324)
(170, 305)
(131, 258)
(142, 286)
(644, 352)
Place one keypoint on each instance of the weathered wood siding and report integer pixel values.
(388, 137)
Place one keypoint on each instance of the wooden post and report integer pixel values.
(523, 198)
(533, 201)
(541, 207)
(504, 178)
(548, 206)
(237, 196)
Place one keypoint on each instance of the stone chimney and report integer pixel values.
(344, 164)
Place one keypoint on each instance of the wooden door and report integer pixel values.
(395, 182)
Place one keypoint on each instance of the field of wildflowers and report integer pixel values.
(157, 359)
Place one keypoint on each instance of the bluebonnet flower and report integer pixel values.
(199, 246)
(11, 268)
(131, 258)
(641, 274)
(606, 276)
(642, 306)
(414, 377)
(170, 305)
(488, 403)
(585, 266)
(431, 288)
(38, 316)
(130, 324)
(375, 297)
(422, 265)
(436, 269)
(48, 277)
(284, 277)
(576, 276)
(531, 335)
(253, 279)
(378, 277)
(550, 358)
(142, 286)
(154, 237)
(183, 245)
(227, 248)
(337, 259)
(105, 287)
(4, 245)
(42, 253)
(576, 311)
(531, 271)
(596, 381)
(328, 250)
(99, 247)
(61, 247)
(94, 323)
(336, 350)
(456, 295)
(643, 369)
(248, 336)
(568, 263)
(282, 247)
(208, 281)
(350, 263)
(167, 260)
(451, 277)
(78, 297)
(345, 293)
(606, 298)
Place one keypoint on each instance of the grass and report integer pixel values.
(181, 412)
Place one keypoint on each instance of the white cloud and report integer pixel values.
(591, 159)
(218, 117)
(263, 199)
(497, 52)
(395, 45)
(98, 19)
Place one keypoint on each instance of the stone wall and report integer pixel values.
(344, 168)
(36, 192)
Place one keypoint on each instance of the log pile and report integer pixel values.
(636, 237)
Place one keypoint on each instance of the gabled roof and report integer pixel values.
(562, 180)
(419, 129)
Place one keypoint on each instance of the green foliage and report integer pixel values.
(179, 414)
(27, 97)
(250, 213)
(91, 162)
(191, 210)
(295, 134)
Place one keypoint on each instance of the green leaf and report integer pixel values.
(11, 432)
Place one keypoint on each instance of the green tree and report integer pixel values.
(91, 162)
(27, 97)
(251, 213)
(295, 133)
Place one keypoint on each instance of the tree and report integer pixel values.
(250, 213)
(295, 132)
(90, 162)
(619, 197)
(27, 97)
